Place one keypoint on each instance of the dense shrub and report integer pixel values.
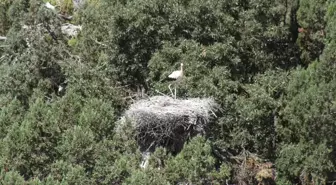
(268, 64)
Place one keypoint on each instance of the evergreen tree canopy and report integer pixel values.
(270, 66)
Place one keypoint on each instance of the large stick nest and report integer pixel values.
(168, 122)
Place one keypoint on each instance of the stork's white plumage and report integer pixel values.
(177, 74)
(60, 88)
(48, 5)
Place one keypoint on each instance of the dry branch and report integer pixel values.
(67, 18)
(248, 168)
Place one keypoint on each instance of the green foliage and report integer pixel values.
(311, 13)
(66, 173)
(5, 22)
(11, 177)
(11, 113)
(195, 164)
(311, 16)
(61, 100)
(137, 30)
(215, 82)
(99, 117)
(29, 145)
(115, 159)
(318, 101)
(307, 126)
(308, 161)
(146, 178)
(77, 146)
(72, 42)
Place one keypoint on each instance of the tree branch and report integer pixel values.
(68, 18)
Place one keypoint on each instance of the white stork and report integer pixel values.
(177, 75)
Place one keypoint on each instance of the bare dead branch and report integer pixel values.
(67, 18)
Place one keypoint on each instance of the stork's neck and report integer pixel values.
(181, 68)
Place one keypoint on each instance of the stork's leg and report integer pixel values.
(171, 92)
(175, 91)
